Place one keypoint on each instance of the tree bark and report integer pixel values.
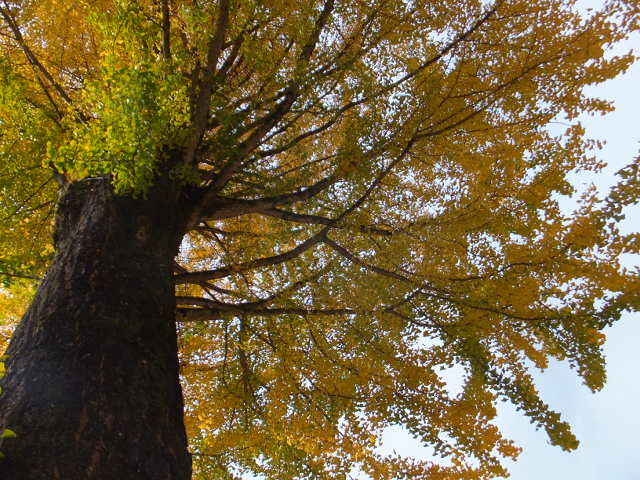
(92, 386)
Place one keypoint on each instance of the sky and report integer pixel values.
(607, 423)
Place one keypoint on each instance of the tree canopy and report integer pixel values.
(376, 193)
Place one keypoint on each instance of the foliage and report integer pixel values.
(13, 303)
(377, 201)
(27, 194)
(137, 103)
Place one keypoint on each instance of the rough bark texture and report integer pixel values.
(92, 386)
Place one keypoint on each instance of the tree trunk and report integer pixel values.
(92, 387)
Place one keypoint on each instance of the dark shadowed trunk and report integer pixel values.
(92, 385)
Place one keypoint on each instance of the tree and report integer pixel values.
(304, 211)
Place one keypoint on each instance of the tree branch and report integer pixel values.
(205, 82)
(290, 93)
(197, 277)
(212, 308)
(19, 275)
(218, 208)
(33, 60)
(204, 314)
(166, 30)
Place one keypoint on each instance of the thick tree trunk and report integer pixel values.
(92, 386)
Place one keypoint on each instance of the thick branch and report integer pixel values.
(166, 30)
(19, 275)
(219, 208)
(205, 82)
(203, 314)
(197, 277)
(308, 49)
(213, 308)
